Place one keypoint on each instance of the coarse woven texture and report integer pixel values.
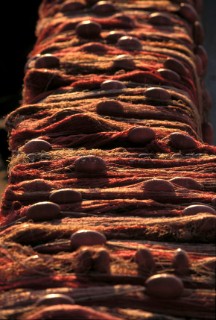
(110, 210)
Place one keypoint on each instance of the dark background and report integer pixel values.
(209, 22)
(17, 34)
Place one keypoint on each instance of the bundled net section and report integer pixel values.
(110, 209)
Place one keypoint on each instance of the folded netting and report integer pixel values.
(110, 210)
